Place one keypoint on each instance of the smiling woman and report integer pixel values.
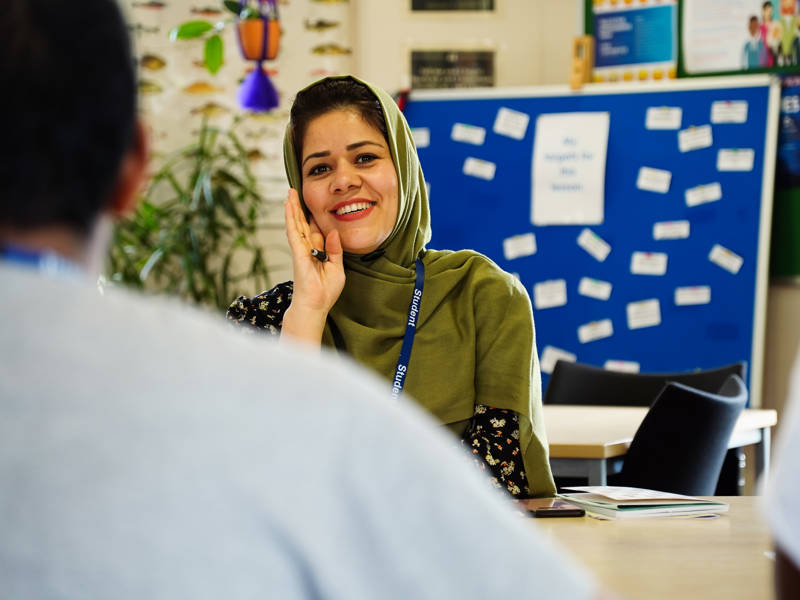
(450, 329)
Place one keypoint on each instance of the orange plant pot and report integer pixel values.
(251, 36)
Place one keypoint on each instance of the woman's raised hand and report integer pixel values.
(317, 284)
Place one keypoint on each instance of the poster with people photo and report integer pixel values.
(740, 35)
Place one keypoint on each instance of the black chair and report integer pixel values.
(681, 443)
(577, 383)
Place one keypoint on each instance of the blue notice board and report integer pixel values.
(708, 313)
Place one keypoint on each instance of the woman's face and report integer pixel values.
(349, 180)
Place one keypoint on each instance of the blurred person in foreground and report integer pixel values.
(132, 465)
(782, 493)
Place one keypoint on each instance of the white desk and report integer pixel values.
(590, 441)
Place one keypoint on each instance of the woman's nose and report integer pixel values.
(346, 177)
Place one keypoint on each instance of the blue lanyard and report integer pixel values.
(411, 328)
(46, 262)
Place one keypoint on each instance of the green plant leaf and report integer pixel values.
(190, 30)
(213, 53)
(232, 6)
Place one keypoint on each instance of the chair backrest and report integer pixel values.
(576, 383)
(681, 443)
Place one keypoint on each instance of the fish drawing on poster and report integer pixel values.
(569, 166)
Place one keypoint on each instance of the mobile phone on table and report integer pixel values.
(551, 507)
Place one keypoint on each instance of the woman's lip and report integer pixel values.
(344, 203)
(353, 216)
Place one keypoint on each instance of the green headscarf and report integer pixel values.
(474, 341)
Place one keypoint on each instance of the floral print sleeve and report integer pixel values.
(493, 437)
(264, 311)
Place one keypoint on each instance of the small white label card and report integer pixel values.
(594, 288)
(482, 169)
(653, 180)
(663, 117)
(649, 263)
(644, 313)
(623, 366)
(595, 330)
(671, 230)
(550, 355)
(701, 194)
(519, 245)
(471, 134)
(728, 260)
(729, 111)
(693, 294)
(549, 294)
(422, 136)
(511, 123)
(695, 138)
(735, 159)
(594, 244)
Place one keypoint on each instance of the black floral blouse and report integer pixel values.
(492, 435)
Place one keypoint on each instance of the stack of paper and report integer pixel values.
(635, 503)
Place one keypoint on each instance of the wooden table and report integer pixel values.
(727, 557)
(590, 441)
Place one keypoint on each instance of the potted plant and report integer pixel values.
(195, 232)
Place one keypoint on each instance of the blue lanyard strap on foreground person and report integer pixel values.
(46, 262)
(411, 328)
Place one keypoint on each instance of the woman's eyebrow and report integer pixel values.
(352, 146)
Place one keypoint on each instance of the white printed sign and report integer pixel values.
(726, 111)
(644, 313)
(549, 294)
(727, 259)
(519, 245)
(663, 117)
(594, 244)
(694, 294)
(653, 180)
(511, 123)
(595, 330)
(469, 134)
(622, 366)
(422, 136)
(703, 193)
(671, 230)
(735, 159)
(695, 138)
(594, 288)
(649, 263)
(550, 355)
(482, 169)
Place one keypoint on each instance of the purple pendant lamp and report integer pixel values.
(259, 39)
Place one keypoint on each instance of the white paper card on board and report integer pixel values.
(671, 230)
(644, 313)
(649, 263)
(695, 138)
(517, 246)
(550, 355)
(595, 330)
(594, 288)
(728, 111)
(727, 259)
(569, 168)
(549, 294)
(422, 136)
(735, 159)
(663, 117)
(700, 194)
(470, 134)
(511, 123)
(483, 169)
(622, 366)
(653, 180)
(594, 244)
(693, 294)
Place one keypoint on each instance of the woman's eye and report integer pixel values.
(365, 158)
(317, 169)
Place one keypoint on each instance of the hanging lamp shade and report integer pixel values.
(259, 39)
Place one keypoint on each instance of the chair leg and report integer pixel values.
(731, 477)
